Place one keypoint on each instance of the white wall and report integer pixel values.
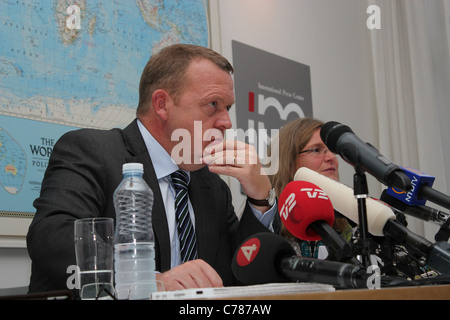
(328, 35)
(15, 269)
(15, 264)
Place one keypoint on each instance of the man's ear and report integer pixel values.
(160, 99)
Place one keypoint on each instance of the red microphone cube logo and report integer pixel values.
(300, 204)
(315, 193)
(248, 252)
(287, 206)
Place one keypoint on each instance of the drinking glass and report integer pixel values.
(94, 243)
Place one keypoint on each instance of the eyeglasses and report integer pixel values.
(319, 151)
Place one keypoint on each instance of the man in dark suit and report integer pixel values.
(185, 91)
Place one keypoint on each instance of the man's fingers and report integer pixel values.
(230, 153)
(192, 274)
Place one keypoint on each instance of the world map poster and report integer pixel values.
(69, 64)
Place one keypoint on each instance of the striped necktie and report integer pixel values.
(186, 233)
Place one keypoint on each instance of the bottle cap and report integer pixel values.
(132, 167)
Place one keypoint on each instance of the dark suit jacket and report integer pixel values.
(85, 168)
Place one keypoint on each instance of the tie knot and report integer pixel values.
(180, 179)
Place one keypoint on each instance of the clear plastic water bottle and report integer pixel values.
(134, 244)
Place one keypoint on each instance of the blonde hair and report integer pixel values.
(293, 137)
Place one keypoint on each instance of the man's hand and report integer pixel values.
(191, 274)
(239, 160)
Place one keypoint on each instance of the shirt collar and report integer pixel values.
(163, 163)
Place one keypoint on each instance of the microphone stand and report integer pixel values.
(364, 242)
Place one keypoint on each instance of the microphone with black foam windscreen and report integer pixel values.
(307, 213)
(342, 140)
(380, 219)
(268, 258)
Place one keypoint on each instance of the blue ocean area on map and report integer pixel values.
(70, 75)
(55, 77)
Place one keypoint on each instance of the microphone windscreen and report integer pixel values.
(331, 132)
(343, 200)
(258, 258)
(300, 204)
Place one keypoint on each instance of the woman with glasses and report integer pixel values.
(300, 145)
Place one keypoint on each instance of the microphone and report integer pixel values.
(380, 219)
(343, 200)
(417, 211)
(421, 190)
(340, 139)
(267, 258)
(308, 214)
